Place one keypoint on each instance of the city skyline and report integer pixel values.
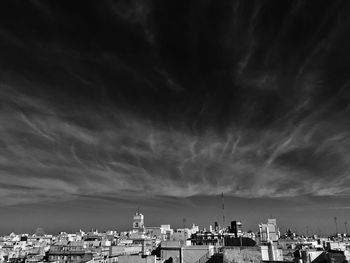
(73, 216)
(110, 106)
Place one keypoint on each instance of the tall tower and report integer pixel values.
(223, 209)
(346, 227)
(138, 222)
(336, 225)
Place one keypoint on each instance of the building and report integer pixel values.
(136, 259)
(271, 252)
(138, 222)
(172, 251)
(231, 241)
(269, 232)
(241, 255)
(69, 252)
(207, 238)
(236, 228)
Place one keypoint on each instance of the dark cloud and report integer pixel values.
(173, 99)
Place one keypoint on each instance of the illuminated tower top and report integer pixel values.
(138, 222)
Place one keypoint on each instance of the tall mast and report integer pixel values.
(223, 209)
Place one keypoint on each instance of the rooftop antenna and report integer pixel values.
(346, 227)
(336, 225)
(223, 209)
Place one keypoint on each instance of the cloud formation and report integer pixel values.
(222, 98)
(46, 155)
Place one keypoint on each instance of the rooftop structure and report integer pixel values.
(138, 222)
(269, 232)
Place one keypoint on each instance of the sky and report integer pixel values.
(107, 107)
